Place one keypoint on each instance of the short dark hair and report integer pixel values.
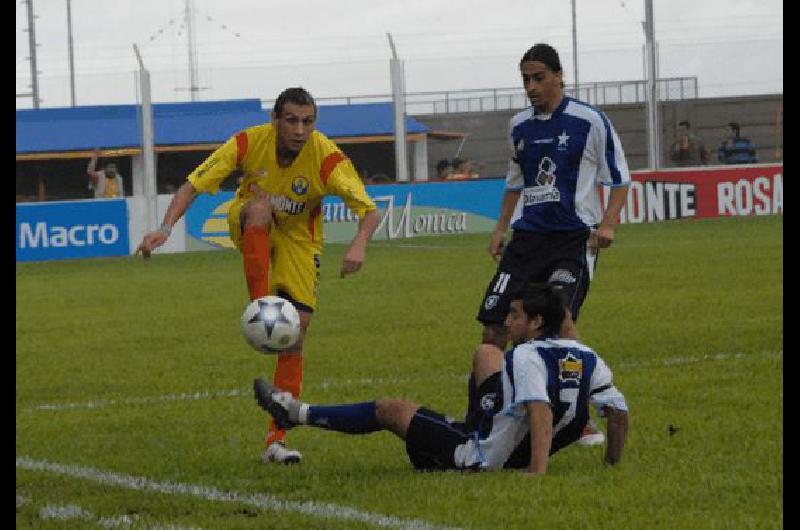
(684, 123)
(296, 95)
(544, 53)
(442, 164)
(735, 126)
(547, 301)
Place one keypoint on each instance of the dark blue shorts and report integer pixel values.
(557, 258)
(431, 440)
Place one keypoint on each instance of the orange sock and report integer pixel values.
(255, 251)
(289, 377)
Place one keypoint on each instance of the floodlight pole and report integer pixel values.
(71, 55)
(399, 102)
(653, 131)
(148, 185)
(32, 49)
(574, 49)
(190, 38)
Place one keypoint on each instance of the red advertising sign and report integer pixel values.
(703, 192)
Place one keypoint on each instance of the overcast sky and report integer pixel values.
(254, 48)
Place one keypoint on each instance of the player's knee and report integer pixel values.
(395, 414)
(487, 360)
(257, 212)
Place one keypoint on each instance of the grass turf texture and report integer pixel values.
(687, 314)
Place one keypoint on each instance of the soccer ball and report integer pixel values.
(271, 324)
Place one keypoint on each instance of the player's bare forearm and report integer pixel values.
(510, 199)
(180, 202)
(540, 420)
(603, 236)
(617, 434)
(616, 200)
(356, 253)
(177, 207)
(366, 227)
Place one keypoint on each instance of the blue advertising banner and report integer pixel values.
(407, 210)
(75, 229)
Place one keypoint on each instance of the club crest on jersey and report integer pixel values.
(562, 141)
(570, 368)
(491, 301)
(300, 185)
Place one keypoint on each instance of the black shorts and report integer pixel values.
(558, 258)
(431, 440)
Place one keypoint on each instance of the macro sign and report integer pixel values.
(74, 229)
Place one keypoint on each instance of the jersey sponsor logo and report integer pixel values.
(487, 401)
(570, 368)
(546, 190)
(562, 276)
(282, 203)
(300, 185)
(207, 167)
(491, 301)
(543, 141)
(547, 172)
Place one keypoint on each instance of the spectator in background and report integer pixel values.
(462, 169)
(688, 149)
(736, 149)
(106, 183)
(443, 169)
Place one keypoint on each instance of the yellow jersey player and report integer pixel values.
(276, 219)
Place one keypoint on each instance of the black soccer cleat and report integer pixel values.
(281, 405)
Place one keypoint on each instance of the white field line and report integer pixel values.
(209, 493)
(68, 512)
(369, 381)
(63, 513)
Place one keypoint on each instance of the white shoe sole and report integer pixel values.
(280, 455)
(592, 439)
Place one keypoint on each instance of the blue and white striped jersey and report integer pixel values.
(557, 162)
(562, 372)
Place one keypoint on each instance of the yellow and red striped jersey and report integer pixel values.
(297, 191)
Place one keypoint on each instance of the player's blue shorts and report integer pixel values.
(431, 440)
(557, 258)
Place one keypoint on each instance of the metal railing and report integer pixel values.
(494, 99)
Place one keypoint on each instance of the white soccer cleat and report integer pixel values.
(591, 435)
(278, 453)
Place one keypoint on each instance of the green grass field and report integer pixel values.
(134, 409)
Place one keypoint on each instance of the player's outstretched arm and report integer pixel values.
(540, 418)
(357, 252)
(617, 434)
(177, 207)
